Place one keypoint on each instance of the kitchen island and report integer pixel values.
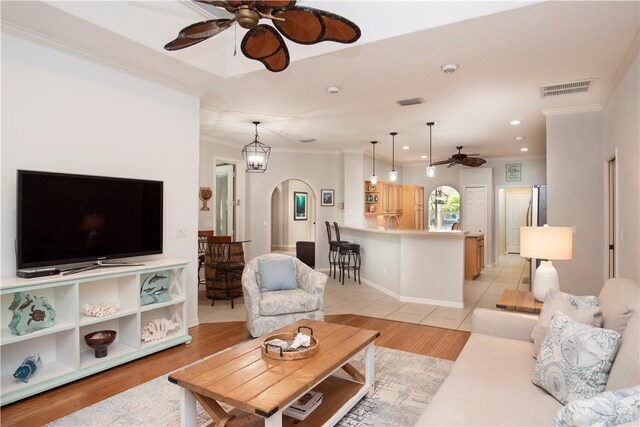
(420, 266)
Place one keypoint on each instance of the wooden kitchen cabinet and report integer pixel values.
(412, 207)
(473, 256)
(388, 201)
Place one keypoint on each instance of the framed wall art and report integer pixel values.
(300, 201)
(326, 197)
(514, 172)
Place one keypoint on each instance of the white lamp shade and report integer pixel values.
(546, 242)
(393, 176)
(431, 171)
(374, 180)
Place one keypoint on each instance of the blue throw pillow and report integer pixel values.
(277, 274)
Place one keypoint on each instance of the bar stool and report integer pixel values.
(202, 249)
(348, 253)
(334, 249)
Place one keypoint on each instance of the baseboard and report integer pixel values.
(401, 298)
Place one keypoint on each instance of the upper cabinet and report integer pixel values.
(412, 207)
(384, 198)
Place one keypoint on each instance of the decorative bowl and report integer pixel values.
(99, 341)
(274, 352)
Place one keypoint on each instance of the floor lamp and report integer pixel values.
(548, 243)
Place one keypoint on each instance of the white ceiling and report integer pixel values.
(506, 51)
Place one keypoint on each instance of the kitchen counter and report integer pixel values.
(425, 233)
(417, 266)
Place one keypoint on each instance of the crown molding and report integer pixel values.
(48, 41)
(572, 110)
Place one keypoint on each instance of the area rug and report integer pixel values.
(405, 383)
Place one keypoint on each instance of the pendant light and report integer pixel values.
(374, 178)
(256, 155)
(431, 170)
(393, 175)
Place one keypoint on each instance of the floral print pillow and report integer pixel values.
(575, 359)
(606, 409)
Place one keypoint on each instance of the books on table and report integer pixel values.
(301, 408)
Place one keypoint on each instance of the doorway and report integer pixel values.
(516, 205)
(293, 215)
(225, 196)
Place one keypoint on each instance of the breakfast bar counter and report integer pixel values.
(418, 266)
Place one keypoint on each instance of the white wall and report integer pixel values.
(622, 139)
(576, 196)
(354, 188)
(64, 114)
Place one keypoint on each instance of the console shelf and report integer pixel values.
(65, 356)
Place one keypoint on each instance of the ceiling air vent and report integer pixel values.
(306, 141)
(410, 101)
(566, 88)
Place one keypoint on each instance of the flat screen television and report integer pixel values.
(65, 219)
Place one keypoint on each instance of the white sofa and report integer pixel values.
(490, 382)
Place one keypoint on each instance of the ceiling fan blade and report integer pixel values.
(200, 31)
(279, 4)
(452, 164)
(206, 28)
(264, 44)
(236, 3)
(182, 42)
(442, 162)
(219, 3)
(474, 162)
(338, 29)
(306, 25)
(473, 155)
(301, 25)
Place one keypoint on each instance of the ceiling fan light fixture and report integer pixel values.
(256, 155)
(393, 175)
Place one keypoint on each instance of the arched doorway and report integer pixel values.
(444, 208)
(293, 215)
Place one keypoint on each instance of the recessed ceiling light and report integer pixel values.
(405, 147)
(515, 122)
(424, 156)
(333, 89)
(519, 138)
(524, 149)
(450, 68)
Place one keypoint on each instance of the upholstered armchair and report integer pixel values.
(267, 311)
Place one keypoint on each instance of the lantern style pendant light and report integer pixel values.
(374, 178)
(256, 155)
(431, 170)
(393, 175)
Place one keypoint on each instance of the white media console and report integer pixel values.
(64, 354)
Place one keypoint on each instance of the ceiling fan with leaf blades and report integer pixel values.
(300, 24)
(462, 159)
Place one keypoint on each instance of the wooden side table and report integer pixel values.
(519, 301)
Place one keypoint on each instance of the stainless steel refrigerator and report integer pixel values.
(536, 217)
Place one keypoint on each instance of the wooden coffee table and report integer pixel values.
(262, 387)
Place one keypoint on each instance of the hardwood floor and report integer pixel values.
(209, 338)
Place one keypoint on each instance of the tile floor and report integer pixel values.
(367, 301)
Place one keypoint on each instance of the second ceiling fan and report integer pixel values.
(300, 24)
(462, 159)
